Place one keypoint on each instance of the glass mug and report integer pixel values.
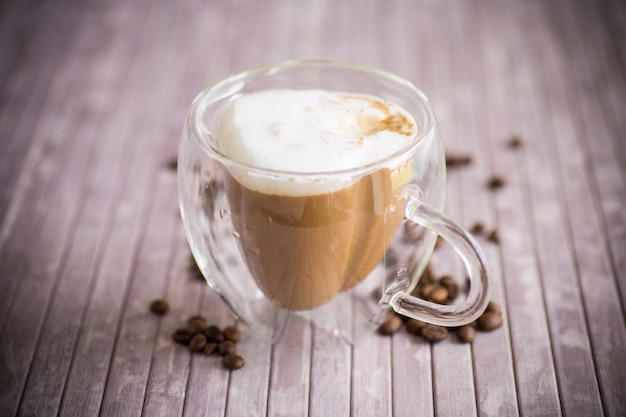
(271, 256)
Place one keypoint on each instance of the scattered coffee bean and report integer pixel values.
(457, 160)
(466, 333)
(209, 348)
(214, 334)
(232, 333)
(415, 326)
(477, 228)
(391, 325)
(439, 295)
(196, 318)
(515, 142)
(159, 307)
(495, 183)
(391, 258)
(196, 325)
(233, 361)
(172, 164)
(197, 343)
(493, 236)
(489, 321)
(434, 333)
(493, 307)
(227, 347)
(451, 285)
(412, 232)
(427, 289)
(433, 289)
(182, 336)
(198, 337)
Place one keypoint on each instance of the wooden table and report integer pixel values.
(93, 95)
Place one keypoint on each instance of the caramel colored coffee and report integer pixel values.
(305, 241)
(303, 250)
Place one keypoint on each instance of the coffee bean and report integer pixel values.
(427, 277)
(391, 325)
(493, 307)
(197, 343)
(182, 336)
(434, 333)
(214, 334)
(477, 228)
(233, 361)
(495, 183)
(451, 285)
(196, 325)
(172, 164)
(457, 160)
(489, 321)
(226, 347)
(426, 289)
(196, 318)
(493, 236)
(232, 333)
(415, 326)
(515, 142)
(391, 257)
(438, 295)
(209, 348)
(466, 333)
(412, 232)
(159, 307)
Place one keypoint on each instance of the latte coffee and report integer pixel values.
(308, 237)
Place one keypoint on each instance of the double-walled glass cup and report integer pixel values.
(270, 255)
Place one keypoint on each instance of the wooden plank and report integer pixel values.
(290, 370)
(569, 336)
(25, 85)
(130, 362)
(494, 377)
(600, 297)
(599, 63)
(180, 383)
(329, 392)
(93, 349)
(412, 376)
(166, 388)
(371, 369)
(208, 384)
(602, 52)
(248, 387)
(65, 313)
(614, 15)
(18, 127)
(534, 364)
(56, 206)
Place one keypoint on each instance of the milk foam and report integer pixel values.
(304, 131)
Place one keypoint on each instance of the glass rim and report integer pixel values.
(197, 124)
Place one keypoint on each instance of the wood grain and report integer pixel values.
(92, 99)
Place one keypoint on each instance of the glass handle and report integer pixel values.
(417, 211)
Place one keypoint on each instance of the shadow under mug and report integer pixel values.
(273, 256)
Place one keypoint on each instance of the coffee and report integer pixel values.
(307, 237)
